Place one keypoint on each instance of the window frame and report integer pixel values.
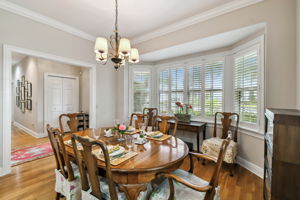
(132, 70)
(254, 45)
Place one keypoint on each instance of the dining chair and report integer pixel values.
(212, 145)
(67, 182)
(162, 124)
(181, 184)
(151, 113)
(93, 186)
(74, 121)
(139, 118)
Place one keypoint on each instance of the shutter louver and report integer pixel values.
(195, 89)
(246, 87)
(141, 90)
(177, 87)
(164, 91)
(213, 88)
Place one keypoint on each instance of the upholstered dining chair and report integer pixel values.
(162, 123)
(67, 182)
(139, 118)
(95, 187)
(151, 113)
(181, 184)
(74, 121)
(212, 145)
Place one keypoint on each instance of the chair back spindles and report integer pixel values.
(162, 124)
(215, 177)
(226, 120)
(89, 161)
(140, 118)
(62, 160)
(151, 112)
(73, 121)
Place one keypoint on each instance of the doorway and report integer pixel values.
(8, 100)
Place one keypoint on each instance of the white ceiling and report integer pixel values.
(205, 44)
(136, 17)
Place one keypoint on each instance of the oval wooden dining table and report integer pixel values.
(133, 175)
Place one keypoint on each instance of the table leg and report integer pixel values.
(204, 132)
(132, 191)
(198, 142)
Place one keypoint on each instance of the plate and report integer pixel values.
(115, 153)
(155, 134)
(144, 142)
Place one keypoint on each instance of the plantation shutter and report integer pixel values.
(141, 90)
(195, 89)
(246, 86)
(213, 87)
(164, 91)
(177, 87)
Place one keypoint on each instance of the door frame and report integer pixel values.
(5, 136)
(46, 75)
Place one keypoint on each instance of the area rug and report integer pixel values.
(30, 153)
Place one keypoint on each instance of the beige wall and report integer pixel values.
(25, 33)
(34, 70)
(28, 68)
(280, 18)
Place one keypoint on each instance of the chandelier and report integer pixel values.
(121, 51)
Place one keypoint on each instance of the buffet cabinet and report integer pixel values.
(282, 155)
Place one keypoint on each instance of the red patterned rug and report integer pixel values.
(30, 153)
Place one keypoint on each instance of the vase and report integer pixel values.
(121, 137)
(183, 117)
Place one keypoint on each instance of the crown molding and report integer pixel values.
(11, 7)
(204, 16)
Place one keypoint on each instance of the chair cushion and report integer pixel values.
(86, 195)
(70, 189)
(182, 191)
(212, 147)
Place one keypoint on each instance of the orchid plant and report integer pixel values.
(183, 107)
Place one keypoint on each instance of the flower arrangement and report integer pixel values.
(120, 128)
(183, 112)
(184, 107)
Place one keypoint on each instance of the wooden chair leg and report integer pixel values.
(232, 169)
(57, 197)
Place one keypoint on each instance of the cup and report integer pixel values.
(129, 141)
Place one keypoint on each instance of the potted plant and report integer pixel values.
(183, 112)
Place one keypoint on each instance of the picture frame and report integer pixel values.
(23, 106)
(23, 80)
(17, 90)
(18, 101)
(29, 89)
(22, 94)
(29, 104)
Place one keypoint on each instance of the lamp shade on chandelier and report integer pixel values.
(120, 52)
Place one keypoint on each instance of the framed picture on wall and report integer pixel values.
(22, 94)
(29, 89)
(23, 106)
(18, 101)
(23, 81)
(18, 90)
(29, 104)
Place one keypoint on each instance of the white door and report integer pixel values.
(62, 97)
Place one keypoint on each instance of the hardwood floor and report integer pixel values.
(20, 139)
(35, 181)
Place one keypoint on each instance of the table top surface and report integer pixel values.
(153, 155)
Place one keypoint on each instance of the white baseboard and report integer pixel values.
(29, 131)
(251, 167)
(4, 172)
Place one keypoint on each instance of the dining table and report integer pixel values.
(133, 175)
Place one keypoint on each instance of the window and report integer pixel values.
(213, 88)
(141, 90)
(204, 83)
(164, 91)
(195, 89)
(246, 86)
